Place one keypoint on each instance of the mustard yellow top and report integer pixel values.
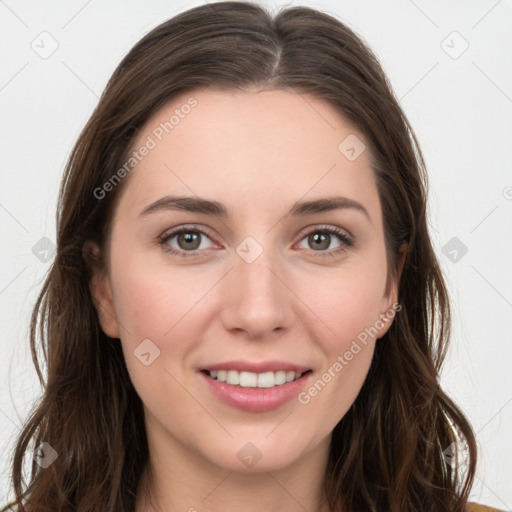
(476, 507)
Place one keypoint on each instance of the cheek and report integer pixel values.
(169, 306)
(350, 310)
(347, 301)
(154, 305)
(150, 300)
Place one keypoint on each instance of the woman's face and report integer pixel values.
(262, 281)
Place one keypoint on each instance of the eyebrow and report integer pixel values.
(207, 207)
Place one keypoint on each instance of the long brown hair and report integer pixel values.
(392, 451)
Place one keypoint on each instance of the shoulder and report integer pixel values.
(476, 507)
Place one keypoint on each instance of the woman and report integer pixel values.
(245, 311)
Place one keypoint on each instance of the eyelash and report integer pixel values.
(346, 240)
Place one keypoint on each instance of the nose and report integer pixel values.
(257, 299)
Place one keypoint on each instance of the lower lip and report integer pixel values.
(256, 399)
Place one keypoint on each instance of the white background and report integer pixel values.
(460, 109)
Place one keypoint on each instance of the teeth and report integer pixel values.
(254, 380)
(233, 377)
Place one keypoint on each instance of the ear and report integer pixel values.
(100, 288)
(390, 304)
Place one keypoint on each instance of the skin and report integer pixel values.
(257, 153)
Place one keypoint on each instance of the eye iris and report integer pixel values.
(321, 238)
(189, 237)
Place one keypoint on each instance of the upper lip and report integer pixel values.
(257, 367)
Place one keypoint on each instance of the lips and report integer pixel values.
(255, 399)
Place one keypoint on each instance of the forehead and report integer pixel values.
(261, 145)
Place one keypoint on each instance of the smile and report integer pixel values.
(254, 380)
(255, 392)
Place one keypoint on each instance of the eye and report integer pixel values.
(188, 240)
(320, 239)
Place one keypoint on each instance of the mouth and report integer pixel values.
(256, 392)
(245, 379)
